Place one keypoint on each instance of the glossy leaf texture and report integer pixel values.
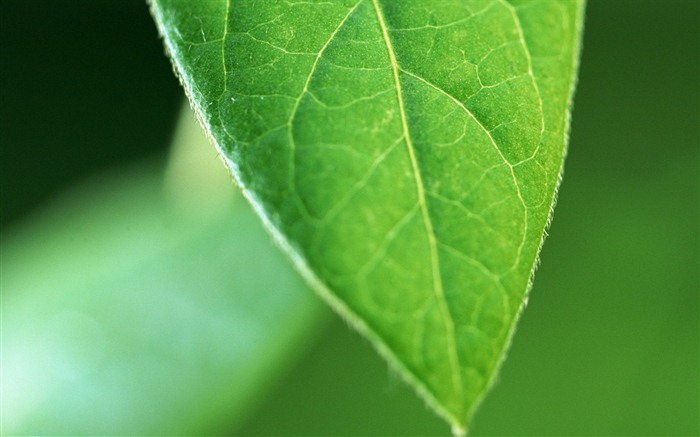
(406, 154)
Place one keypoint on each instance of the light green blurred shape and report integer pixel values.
(138, 306)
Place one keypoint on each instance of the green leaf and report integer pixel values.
(406, 154)
(127, 309)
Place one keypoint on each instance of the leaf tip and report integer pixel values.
(459, 430)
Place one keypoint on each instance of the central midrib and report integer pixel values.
(437, 277)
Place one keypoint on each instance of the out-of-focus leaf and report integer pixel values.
(127, 311)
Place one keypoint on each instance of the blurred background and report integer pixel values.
(609, 343)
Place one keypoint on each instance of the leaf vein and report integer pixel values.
(437, 277)
(223, 45)
(295, 109)
(498, 150)
(528, 57)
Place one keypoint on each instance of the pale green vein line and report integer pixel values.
(318, 58)
(223, 45)
(498, 150)
(376, 258)
(485, 270)
(360, 184)
(528, 57)
(349, 104)
(295, 109)
(269, 44)
(437, 277)
(478, 217)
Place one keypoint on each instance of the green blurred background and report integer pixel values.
(609, 343)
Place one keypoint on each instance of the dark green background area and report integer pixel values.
(84, 86)
(609, 343)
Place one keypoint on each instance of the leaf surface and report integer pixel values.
(405, 154)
